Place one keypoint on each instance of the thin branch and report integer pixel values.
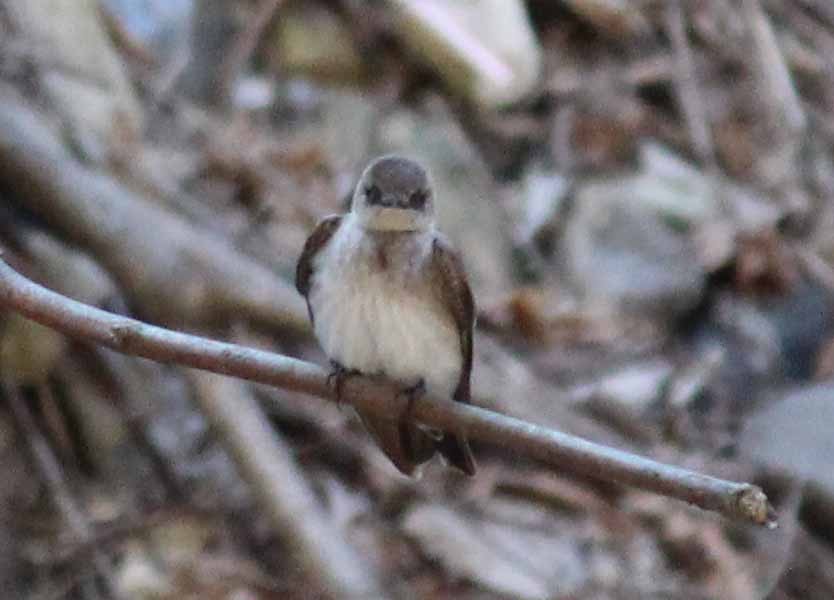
(50, 472)
(132, 401)
(179, 271)
(288, 500)
(823, 9)
(686, 85)
(244, 45)
(381, 398)
(778, 93)
(612, 18)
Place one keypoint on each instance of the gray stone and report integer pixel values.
(542, 199)
(672, 187)
(635, 387)
(620, 252)
(521, 554)
(485, 50)
(795, 434)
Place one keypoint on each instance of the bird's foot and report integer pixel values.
(337, 378)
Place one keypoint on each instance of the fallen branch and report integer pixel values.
(687, 90)
(288, 500)
(49, 469)
(777, 92)
(381, 398)
(172, 269)
(244, 46)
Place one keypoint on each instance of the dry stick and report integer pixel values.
(823, 8)
(615, 19)
(49, 470)
(243, 47)
(110, 534)
(816, 267)
(686, 85)
(782, 110)
(288, 500)
(381, 398)
(778, 92)
(130, 401)
(169, 267)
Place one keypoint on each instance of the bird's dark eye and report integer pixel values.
(373, 194)
(418, 199)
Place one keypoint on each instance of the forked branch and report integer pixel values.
(380, 398)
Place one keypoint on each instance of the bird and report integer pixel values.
(387, 294)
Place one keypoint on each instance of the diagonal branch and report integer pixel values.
(179, 271)
(53, 478)
(380, 398)
(686, 85)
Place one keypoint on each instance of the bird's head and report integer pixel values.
(394, 194)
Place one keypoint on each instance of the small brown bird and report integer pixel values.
(387, 295)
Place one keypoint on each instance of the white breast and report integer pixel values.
(383, 321)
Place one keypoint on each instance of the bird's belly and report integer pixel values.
(376, 329)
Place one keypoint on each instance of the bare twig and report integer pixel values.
(49, 469)
(381, 398)
(169, 267)
(560, 140)
(110, 534)
(779, 95)
(822, 8)
(243, 46)
(686, 85)
(287, 498)
(569, 81)
(816, 268)
(618, 20)
(784, 117)
(131, 401)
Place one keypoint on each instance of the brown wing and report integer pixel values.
(322, 233)
(406, 445)
(453, 287)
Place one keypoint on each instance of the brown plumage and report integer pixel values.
(391, 291)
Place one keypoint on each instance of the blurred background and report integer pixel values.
(641, 191)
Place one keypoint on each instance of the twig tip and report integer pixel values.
(752, 504)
